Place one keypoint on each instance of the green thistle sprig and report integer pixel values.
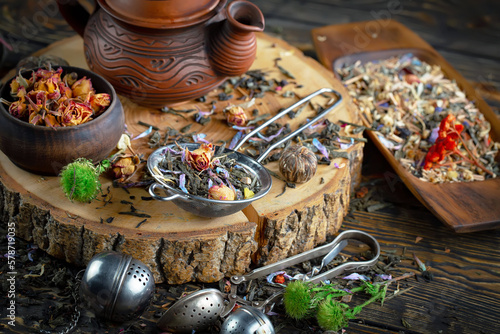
(80, 179)
(303, 300)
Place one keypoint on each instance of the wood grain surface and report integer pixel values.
(179, 246)
(464, 296)
(464, 207)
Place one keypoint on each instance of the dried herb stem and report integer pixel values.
(475, 161)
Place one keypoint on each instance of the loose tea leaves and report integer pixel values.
(207, 172)
(423, 118)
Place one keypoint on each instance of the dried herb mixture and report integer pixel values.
(206, 173)
(423, 118)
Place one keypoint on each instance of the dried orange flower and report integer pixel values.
(124, 167)
(222, 193)
(82, 88)
(236, 115)
(73, 113)
(99, 102)
(200, 159)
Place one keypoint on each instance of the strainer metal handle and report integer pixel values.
(286, 111)
(152, 189)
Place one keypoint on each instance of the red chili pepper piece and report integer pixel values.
(446, 142)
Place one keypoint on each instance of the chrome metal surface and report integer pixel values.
(116, 286)
(247, 320)
(194, 312)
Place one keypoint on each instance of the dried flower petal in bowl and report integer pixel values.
(50, 99)
(58, 116)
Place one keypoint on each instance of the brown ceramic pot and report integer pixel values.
(44, 150)
(165, 52)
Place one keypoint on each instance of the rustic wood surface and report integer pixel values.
(452, 203)
(179, 246)
(464, 296)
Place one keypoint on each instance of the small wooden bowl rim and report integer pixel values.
(66, 69)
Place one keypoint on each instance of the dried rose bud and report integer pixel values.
(66, 92)
(125, 167)
(236, 115)
(298, 164)
(35, 118)
(222, 193)
(70, 78)
(42, 73)
(73, 113)
(37, 106)
(18, 109)
(82, 88)
(14, 87)
(19, 82)
(99, 102)
(200, 159)
(50, 86)
(50, 120)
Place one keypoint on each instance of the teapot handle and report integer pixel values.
(75, 14)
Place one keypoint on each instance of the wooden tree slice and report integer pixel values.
(178, 246)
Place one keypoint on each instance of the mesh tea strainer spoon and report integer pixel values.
(195, 312)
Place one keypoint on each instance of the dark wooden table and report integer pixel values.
(464, 294)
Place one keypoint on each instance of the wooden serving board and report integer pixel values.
(464, 206)
(178, 246)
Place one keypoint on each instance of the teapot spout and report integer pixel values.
(233, 45)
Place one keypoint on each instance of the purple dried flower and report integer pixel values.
(321, 148)
(182, 183)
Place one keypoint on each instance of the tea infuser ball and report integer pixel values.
(247, 320)
(116, 287)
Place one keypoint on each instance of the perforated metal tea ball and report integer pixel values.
(298, 164)
(116, 286)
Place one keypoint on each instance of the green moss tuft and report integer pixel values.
(80, 180)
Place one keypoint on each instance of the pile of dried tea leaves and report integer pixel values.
(423, 118)
(204, 170)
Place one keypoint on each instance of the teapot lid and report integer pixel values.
(162, 13)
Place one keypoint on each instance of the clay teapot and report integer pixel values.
(164, 52)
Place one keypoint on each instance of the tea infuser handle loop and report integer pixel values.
(353, 265)
(330, 250)
(286, 111)
(152, 189)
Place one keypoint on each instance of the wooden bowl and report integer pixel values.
(45, 150)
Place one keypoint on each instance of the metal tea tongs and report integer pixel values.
(328, 251)
(201, 309)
